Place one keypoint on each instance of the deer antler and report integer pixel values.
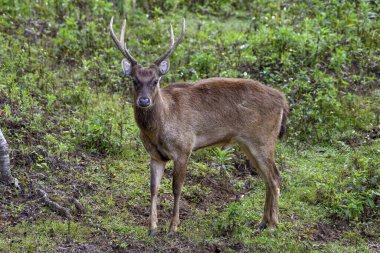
(121, 44)
(173, 44)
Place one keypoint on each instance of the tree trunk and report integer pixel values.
(5, 171)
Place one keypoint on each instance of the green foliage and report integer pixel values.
(358, 193)
(348, 185)
(235, 220)
(223, 158)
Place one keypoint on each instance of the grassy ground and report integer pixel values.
(65, 112)
(220, 208)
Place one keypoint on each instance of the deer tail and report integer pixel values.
(284, 117)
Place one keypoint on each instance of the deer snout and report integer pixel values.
(143, 102)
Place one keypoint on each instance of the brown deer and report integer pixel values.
(183, 117)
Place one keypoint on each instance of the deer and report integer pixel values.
(183, 117)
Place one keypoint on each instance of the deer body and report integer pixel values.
(183, 117)
(211, 112)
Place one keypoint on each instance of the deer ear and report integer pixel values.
(126, 66)
(164, 67)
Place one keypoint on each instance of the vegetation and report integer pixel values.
(65, 113)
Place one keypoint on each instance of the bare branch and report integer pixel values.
(53, 205)
(80, 208)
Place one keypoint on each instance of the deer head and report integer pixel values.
(145, 79)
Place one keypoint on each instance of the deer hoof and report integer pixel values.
(173, 228)
(263, 225)
(172, 234)
(153, 232)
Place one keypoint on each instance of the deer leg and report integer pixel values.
(178, 179)
(270, 218)
(156, 172)
(267, 169)
(273, 182)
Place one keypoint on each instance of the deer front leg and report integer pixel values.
(156, 172)
(178, 179)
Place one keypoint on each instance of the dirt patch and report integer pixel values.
(330, 232)
(366, 89)
(219, 194)
(374, 246)
(141, 214)
(222, 188)
(9, 216)
(161, 243)
(82, 248)
(327, 232)
(363, 138)
(321, 232)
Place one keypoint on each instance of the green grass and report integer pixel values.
(43, 235)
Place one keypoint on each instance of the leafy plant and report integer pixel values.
(223, 157)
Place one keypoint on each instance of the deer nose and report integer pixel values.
(144, 102)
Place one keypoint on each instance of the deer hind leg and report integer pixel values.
(156, 172)
(273, 184)
(178, 179)
(263, 160)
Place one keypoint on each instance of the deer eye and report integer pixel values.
(155, 83)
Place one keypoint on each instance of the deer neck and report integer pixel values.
(150, 119)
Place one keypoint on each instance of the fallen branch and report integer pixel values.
(80, 208)
(53, 205)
